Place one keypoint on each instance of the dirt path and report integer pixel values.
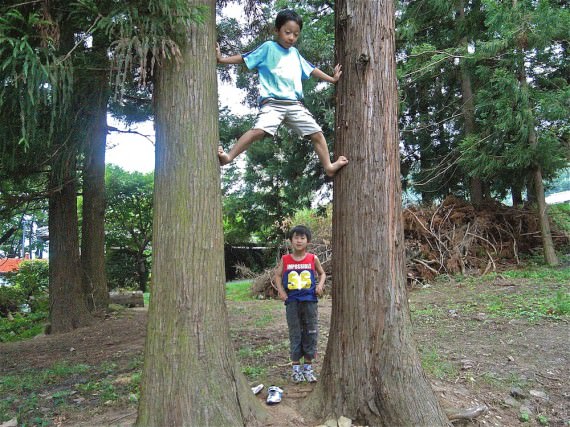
(471, 358)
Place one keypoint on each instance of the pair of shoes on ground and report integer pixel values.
(257, 389)
(304, 375)
(274, 395)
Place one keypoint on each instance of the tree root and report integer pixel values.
(455, 414)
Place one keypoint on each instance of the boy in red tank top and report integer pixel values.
(296, 278)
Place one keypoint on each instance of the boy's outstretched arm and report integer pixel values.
(234, 59)
(324, 76)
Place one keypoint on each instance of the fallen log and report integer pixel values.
(128, 299)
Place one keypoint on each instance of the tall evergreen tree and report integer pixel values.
(190, 375)
(372, 372)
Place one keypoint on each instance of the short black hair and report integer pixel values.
(301, 230)
(288, 15)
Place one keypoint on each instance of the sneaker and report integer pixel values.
(309, 375)
(274, 395)
(257, 389)
(297, 375)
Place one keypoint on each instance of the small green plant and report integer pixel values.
(253, 372)
(524, 417)
(542, 420)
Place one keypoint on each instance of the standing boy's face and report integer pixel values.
(299, 242)
(288, 34)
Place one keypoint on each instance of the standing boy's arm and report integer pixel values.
(279, 281)
(324, 76)
(234, 59)
(322, 276)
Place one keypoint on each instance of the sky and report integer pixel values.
(134, 152)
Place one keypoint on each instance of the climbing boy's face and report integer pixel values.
(299, 242)
(288, 34)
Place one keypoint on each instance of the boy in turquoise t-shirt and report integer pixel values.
(281, 70)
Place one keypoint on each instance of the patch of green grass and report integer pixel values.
(22, 327)
(265, 320)
(253, 372)
(436, 366)
(540, 274)
(239, 290)
(29, 381)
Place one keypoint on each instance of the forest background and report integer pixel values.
(484, 106)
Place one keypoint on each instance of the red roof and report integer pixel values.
(9, 265)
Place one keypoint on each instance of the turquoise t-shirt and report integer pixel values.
(281, 71)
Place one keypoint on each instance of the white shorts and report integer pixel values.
(293, 114)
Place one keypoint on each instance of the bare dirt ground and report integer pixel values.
(472, 356)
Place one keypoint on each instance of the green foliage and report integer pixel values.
(22, 326)
(32, 279)
(128, 227)
(560, 215)
(11, 298)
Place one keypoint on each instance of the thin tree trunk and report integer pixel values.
(190, 375)
(516, 194)
(68, 307)
(468, 108)
(93, 224)
(372, 372)
(547, 243)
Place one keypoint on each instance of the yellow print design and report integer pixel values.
(299, 281)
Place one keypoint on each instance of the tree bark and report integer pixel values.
(93, 224)
(372, 372)
(548, 245)
(190, 375)
(68, 307)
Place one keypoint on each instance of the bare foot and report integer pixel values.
(223, 156)
(340, 162)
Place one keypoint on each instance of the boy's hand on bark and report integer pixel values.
(218, 53)
(337, 72)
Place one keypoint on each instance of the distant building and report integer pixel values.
(9, 266)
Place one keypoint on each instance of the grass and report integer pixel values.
(542, 294)
(437, 366)
(35, 396)
(22, 327)
(239, 290)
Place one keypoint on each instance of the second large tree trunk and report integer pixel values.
(93, 225)
(372, 372)
(190, 375)
(68, 306)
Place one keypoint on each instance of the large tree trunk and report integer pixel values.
(68, 307)
(190, 375)
(93, 225)
(372, 372)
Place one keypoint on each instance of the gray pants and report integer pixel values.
(302, 320)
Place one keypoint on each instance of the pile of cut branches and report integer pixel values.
(456, 237)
